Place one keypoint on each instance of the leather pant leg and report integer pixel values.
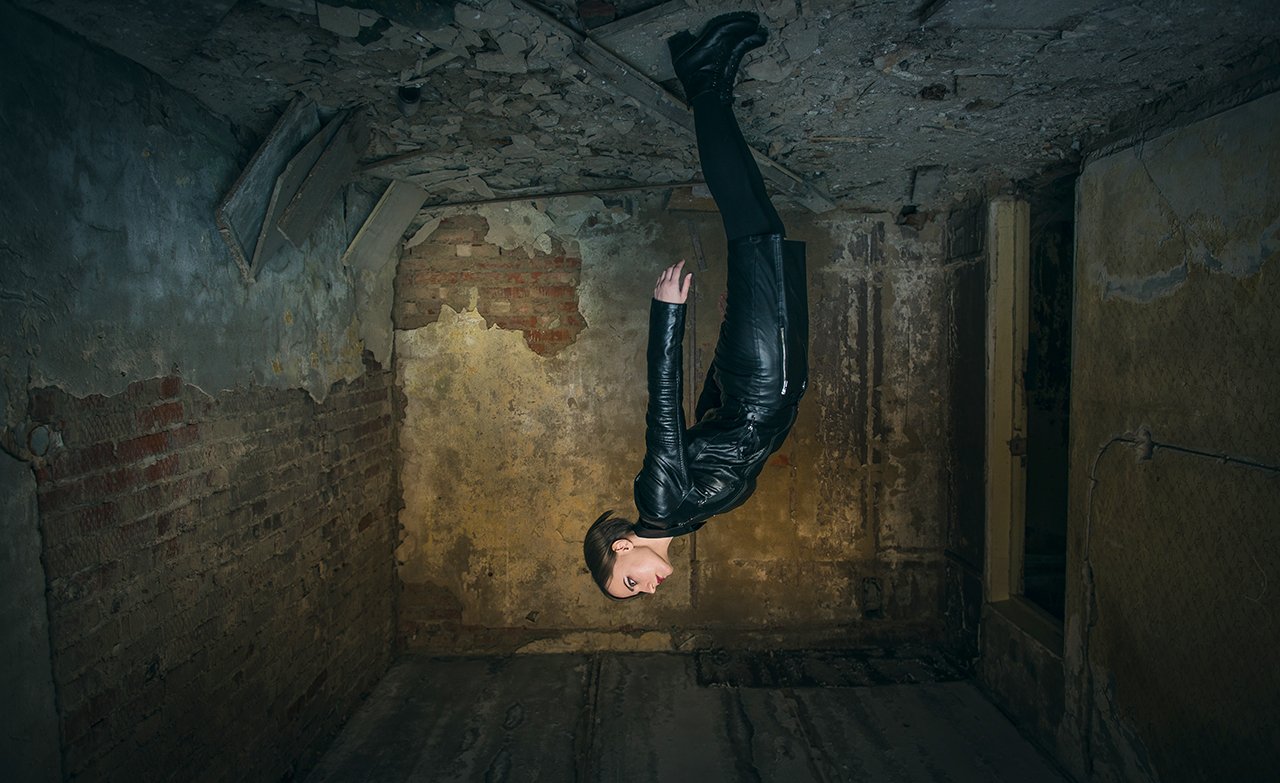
(762, 355)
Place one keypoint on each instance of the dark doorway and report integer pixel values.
(1048, 387)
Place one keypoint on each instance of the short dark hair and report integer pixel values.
(597, 547)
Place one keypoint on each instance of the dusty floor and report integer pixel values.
(820, 716)
(876, 103)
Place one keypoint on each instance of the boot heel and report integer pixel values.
(679, 43)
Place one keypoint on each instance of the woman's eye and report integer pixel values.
(629, 582)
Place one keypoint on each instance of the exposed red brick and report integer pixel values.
(167, 560)
(510, 289)
(161, 469)
(97, 517)
(170, 387)
(160, 416)
(517, 321)
(183, 436)
(142, 446)
(98, 456)
(87, 490)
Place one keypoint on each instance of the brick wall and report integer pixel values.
(221, 576)
(537, 295)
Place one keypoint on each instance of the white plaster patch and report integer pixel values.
(517, 225)
(570, 212)
(422, 233)
(1140, 288)
(1181, 190)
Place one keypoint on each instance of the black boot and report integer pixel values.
(709, 63)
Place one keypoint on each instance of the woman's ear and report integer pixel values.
(621, 545)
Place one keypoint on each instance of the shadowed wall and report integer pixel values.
(1174, 483)
(509, 454)
(214, 542)
(1179, 241)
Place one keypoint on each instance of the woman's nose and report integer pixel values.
(651, 587)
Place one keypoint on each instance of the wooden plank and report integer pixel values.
(1007, 318)
(626, 23)
(533, 194)
(381, 232)
(393, 160)
(810, 196)
(270, 240)
(633, 83)
(239, 217)
(685, 200)
(326, 178)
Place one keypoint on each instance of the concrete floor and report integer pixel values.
(818, 716)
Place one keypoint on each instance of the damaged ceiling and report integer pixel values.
(873, 104)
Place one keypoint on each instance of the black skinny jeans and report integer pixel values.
(731, 173)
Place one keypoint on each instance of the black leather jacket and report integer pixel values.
(748, 402)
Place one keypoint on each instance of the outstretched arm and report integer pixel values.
(663, 482)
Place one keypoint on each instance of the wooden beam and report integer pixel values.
(620, 26)
(594, 58)
(1008, 286)
(530, 196)
(381, 232)
(393, 160)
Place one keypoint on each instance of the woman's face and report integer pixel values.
(639, 568)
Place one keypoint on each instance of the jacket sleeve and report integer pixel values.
(663, 481)
(709, 400)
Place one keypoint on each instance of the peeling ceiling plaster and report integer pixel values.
(878, 104)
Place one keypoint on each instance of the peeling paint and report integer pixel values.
(518, 225)
(1144, 289)
(127, 276)
(518, 453)
(1193, 177)
(1172, 332)
(528, 283)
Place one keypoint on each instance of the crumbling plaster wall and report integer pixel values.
(1173, 547)
(111, 271)
(508, 455)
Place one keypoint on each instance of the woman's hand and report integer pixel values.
(670, 287)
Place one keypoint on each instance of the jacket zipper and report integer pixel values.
(782, 306)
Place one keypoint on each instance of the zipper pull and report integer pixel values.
(782, 333)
